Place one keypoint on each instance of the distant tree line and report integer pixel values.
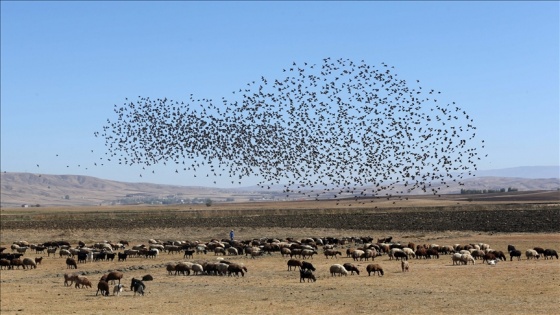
(486, 191)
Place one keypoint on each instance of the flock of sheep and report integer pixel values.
(357, 248)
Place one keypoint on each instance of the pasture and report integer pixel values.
(433, 286)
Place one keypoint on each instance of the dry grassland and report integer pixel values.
(431, 287)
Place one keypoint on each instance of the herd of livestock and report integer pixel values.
(356, 248)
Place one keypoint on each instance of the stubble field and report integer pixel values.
(433, 286)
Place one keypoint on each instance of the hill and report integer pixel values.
(18, 189)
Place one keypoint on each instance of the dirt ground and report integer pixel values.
(433, 286)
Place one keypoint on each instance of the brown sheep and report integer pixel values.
(236, 269)
(71, 263)
(16, 262)
(112, 276)
(5, 263)
(69, 279)
(374, 268)
(102, 286)
(83, 281)
(170, 268)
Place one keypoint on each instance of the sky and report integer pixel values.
(64, 65)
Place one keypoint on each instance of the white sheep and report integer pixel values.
(493, 262)
(337, 268)
(197, 269)
(465, 258)
(409, 252)
(456, 258)
(531, 254)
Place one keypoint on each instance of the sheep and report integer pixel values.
(112, 276)
(375, 268)
(5, 263)
(137, 286)
(306, 274)
(307, 266)
(404, 266)
(400, 254)
(183, 268)
(308, 253)
(222, 269)
(357, 254)
(351, 267)
(197, 269)
(236, 269)
(493, 262)
(232, 251)
(102, 287)
(64, 252)
(117, 289)
(392, 252)
(539, 250)
(69, 279)
(456, 258)
(409, 252)
(550, 253)
(71, 263)
(332, 253)
(338, 269)
(531, 254)
(83, 281)
(465, 258)
(51, 250)
(294, 263)
(515, 253)
(147, 278)
(29, 262)
(219, 250)
(170, 268)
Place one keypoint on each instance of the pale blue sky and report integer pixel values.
(65, 64)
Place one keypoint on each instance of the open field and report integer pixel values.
(432, 286)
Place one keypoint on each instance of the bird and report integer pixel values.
(342, 124)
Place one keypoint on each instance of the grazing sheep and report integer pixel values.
(404, 266)
(338, 269)
(170, 268)
(531, 254)
(352, 268)
(357, 254)
(219, 250)
(550, 253)
(308, 253)
(307, 266)
(137, 286)
(514, 253)
(65, 252)
(456, 258)
(5, 263)
(374, 268)
(69, 279)
(306, 274)
(400, 255)
(197, 269)
(294, 263)
(51, 250)
(332, 253)
(232, 251)
(236, 269)
(29, 262)
(409, 252)
(71, 263)
(284, 251)
(117, 289)
(83, 281)
(183, 269)
(102, 287)
(465, 258)
(112, 276)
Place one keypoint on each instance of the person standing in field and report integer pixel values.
(231, 235)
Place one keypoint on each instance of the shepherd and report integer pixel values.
(231, 235)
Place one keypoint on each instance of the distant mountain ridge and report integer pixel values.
(76, 190)
(523, 172)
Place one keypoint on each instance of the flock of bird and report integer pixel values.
(340, 127)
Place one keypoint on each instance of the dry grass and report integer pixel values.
(431, 287)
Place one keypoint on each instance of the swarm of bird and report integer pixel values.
(340, 127)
